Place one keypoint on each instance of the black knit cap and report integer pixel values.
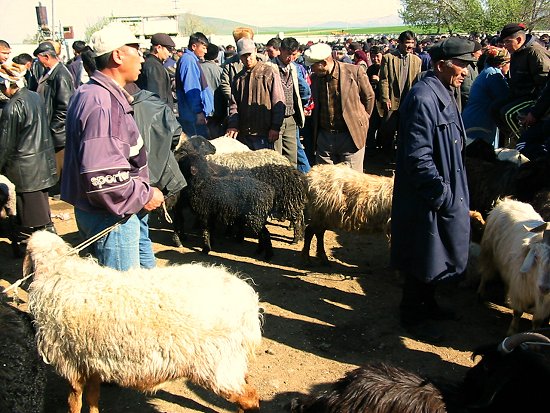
(453, 48)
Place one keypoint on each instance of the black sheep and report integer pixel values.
(22, 372)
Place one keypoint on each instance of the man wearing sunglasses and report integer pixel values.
(154, 76)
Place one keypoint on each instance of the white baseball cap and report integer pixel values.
(317, 53)
(111, 37)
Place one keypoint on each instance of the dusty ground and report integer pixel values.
(319, 322)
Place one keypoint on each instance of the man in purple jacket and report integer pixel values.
(105, 172)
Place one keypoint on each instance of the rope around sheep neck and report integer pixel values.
(72, 251)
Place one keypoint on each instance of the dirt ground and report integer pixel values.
(319, 321)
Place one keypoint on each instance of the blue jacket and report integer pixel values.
(193, 93)
(488, 86)
(430, 222)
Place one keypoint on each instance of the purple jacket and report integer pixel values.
(105, 166)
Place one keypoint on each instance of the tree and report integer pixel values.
(467, 16)
(98, 25)
(189, 24)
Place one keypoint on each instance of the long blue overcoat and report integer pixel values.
(429, 221)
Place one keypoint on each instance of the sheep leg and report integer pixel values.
(75, 395)
(298, 224)
(206, 248)
(248, 401)
(514, 325)
(264, 243)
(308, 236)
(92, 393)
(321, 254)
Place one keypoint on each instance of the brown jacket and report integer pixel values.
(389, 80)
(357, 102)
(257, 101)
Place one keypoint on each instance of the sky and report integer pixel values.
(18, 18)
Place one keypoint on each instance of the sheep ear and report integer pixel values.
(27, 264)
(528, 262)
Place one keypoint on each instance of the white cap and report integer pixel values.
(111, 37)
(317, 53)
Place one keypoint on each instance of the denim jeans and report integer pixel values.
(127, 246)
(303, 162)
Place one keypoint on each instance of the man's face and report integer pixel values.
(132, 59)
(46, 60)
(163, 52)
(376, 58)
(4, 54)
(406, 46)
(320, 68)
(287, 56)
(512, 43)
(272, 52)
(249, 60)
(453, 74)
(199, 49)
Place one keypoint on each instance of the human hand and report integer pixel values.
(232, 133)
(388, 106)
(272, 135)
(201, 119)
(528, 120)
(156, 201)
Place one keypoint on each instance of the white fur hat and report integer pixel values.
(111, 37)
(317, 53)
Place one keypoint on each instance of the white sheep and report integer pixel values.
(7, 198)
(225, 144)
(515, 244)
(141, 328)
(342, 198)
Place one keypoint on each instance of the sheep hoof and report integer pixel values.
(177, 241)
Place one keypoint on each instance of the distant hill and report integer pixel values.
(220, 26)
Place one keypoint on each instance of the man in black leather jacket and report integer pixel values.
(56, 87)
(27, 156)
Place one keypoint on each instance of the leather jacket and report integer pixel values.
(27, 154)
(57, 88)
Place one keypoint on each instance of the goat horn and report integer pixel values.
(509, 344)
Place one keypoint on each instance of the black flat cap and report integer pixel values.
(510, 29)
(162, 39)
(44, 47)
(453, 48)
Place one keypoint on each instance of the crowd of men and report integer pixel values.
(104, 124)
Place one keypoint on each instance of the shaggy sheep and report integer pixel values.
(141, 328)
(227, 200)
(22, 372)
(512, 376)
(521, 256)
(379, 388)
(267, 166)
(341, 198)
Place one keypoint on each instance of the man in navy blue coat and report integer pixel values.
(430, 220)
